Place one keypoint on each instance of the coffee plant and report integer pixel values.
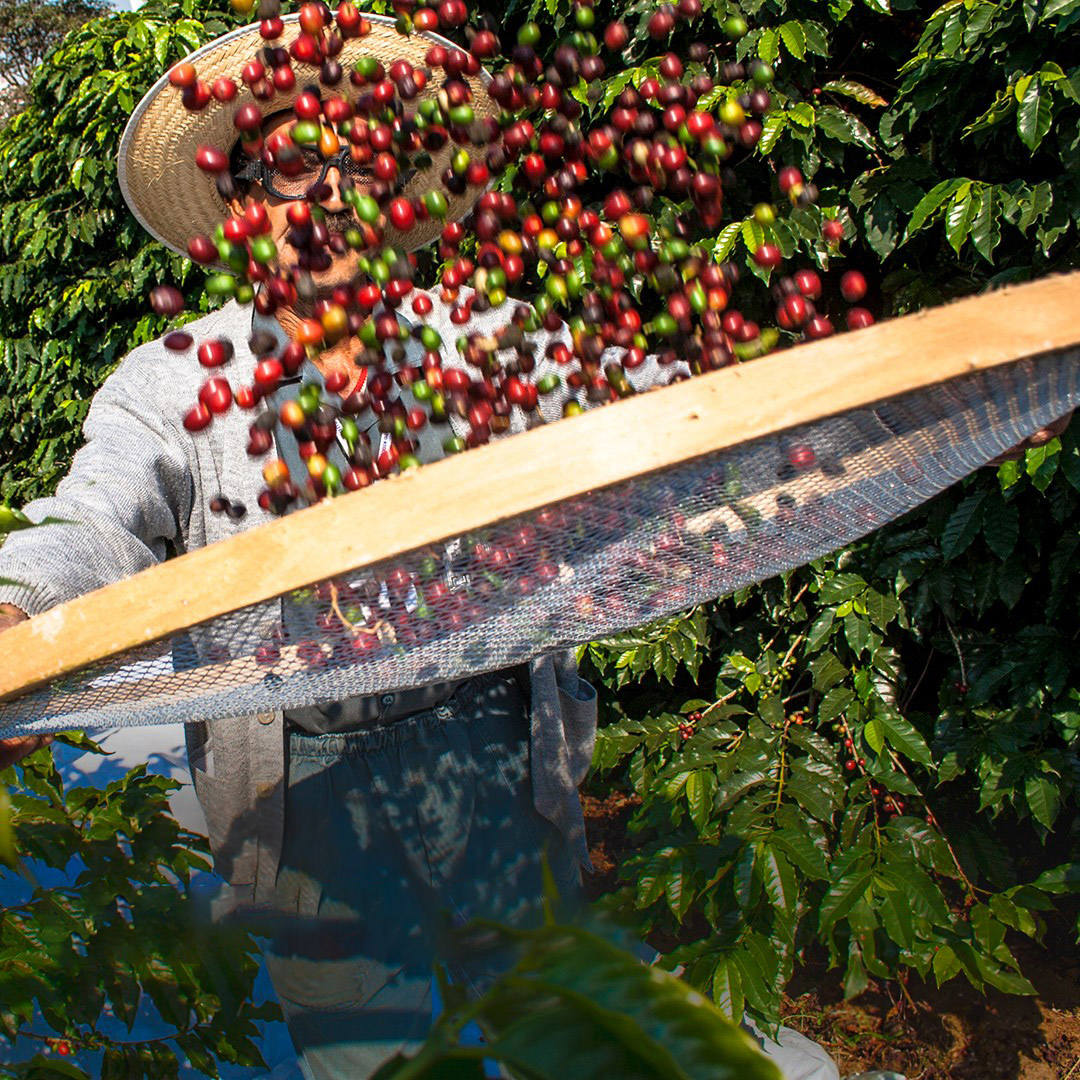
(97, 933)
(878, 767)
(574, 1006)
(875, 755)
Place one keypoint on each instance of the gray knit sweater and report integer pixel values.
(138, 491)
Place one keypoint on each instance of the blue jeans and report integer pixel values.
(388, 832)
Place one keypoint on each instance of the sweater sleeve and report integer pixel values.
(128, 495)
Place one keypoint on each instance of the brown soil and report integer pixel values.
(952, 1033)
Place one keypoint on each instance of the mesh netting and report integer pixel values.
(575, 571)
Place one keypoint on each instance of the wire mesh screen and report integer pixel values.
(575, 571)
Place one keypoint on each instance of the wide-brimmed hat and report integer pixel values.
(174, 199)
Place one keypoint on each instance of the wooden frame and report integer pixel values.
(636, 436)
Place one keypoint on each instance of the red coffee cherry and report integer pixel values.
(183, 75)
(852, 286)
(832, 231)
(166, 300)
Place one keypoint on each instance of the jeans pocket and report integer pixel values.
(579, 727)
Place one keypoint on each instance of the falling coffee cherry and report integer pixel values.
(166, 300)
(852, 286)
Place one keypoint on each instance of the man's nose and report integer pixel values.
(333, 191)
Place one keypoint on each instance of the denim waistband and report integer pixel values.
(303, 744)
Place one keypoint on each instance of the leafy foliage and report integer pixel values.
(75, 266)
(108, 933)
(28, 30)
(575, 1006)
(878, 766)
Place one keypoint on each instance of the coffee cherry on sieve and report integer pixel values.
(218, 504)
(235, 511)
(262, 342)
(247, 397)
(247, 118)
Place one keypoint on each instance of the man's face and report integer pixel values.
(341, 269)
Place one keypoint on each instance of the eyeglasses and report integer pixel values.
(313, 169)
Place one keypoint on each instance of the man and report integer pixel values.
(370, 817)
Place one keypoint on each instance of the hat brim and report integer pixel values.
(174, 200)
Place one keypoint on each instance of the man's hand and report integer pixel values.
(13, 750)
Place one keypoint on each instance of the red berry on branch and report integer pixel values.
(788, 177)
(768, 256)
(832, 231)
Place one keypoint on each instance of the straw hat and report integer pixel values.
(175, 200)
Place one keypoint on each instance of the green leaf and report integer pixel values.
(843, 895)
(844, 126)
(768, 47)
(905, 738)
(963, 525)
(1061, 880)
(1058, 9)
(575, 1006)
(827, 671)
(986, 225)
(700, 791)
(849, 88)
(778, 879)
(874, 734)
(857, 632)
(1035, 115)
(802, 113)
(959, 216)
(931, 203)
(774, 124)
(820, 630)
(802, 851)
(881, 608)
(840, 587)
(727, 991)
(1001, 526)
(794, 38)
(725, 242)
(8, 853)
(1043, 800)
